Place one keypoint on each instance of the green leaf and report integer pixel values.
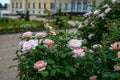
(44, 73)
(72, 69)
(50, 61)
(67, 74)
(52, 73)
(106, 74)
(63, 55)
(49, 67)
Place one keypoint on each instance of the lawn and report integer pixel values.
(6, 25)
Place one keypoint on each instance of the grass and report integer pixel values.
(6, 25)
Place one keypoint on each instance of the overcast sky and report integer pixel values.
(4, 1)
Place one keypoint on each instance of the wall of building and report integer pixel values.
(38, 6)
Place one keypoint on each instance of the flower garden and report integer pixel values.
(91, 53)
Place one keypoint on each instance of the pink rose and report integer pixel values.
(107, 10)
(40, 34)
(27, 34)
(87, 14)
(40, 65)
(102, 15)
(27, 46)
(118, 54)
(106, 6)
(96, 12)
(86, 22)
(114, 1)
(78, 52)
(31, 44)
(48, 42)
(94, 77)
(116, 46)
(74, 43)
(90, 36)
(52, 32)
(23, 57)
(117, 68)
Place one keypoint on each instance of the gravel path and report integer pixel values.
(8, 46)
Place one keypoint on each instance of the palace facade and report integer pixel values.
(38, 6)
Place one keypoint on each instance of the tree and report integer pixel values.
(5, 5)
(1, 6)
(27, 16)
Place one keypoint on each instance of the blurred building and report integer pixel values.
(39, 6)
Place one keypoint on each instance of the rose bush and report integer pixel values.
(90, 54)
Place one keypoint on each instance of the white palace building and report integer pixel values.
(38, 6)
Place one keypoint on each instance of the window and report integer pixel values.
(39, 5)
(44, 5)
(60, 5)
(85, 6)
(66, 6)
(73, 6)
(16, 5)
(12, 4)
(79, 6)
(52, 5)
(20, 4)
(33, 5)
(29, 5)
(39, 12)
(33, 12)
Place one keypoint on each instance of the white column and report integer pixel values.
(82, 4)
(76, 6)
(23, 5)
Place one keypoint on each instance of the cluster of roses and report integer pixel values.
(116, 46)
(29, 44)
(75, 45)
(99, 13)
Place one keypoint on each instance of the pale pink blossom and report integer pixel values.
(92, 23)
(47, 26)
(27, 34)
(116, 68)
(114, 1)
(90, 36)
(71, 23)
(78, 52)
(94, 77)
(102, 15)
(40, 65)
(118, 54)
(75, 43)
(96, 46)
(21, 43)
(40, 34)
(115, 46)
(107, 10)
(48, 42)
(35, 43)
(96, 12)
(106, 6)
(52, 32)
(86, 22)
(87, 14)
(80, 25)
(29, 45)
